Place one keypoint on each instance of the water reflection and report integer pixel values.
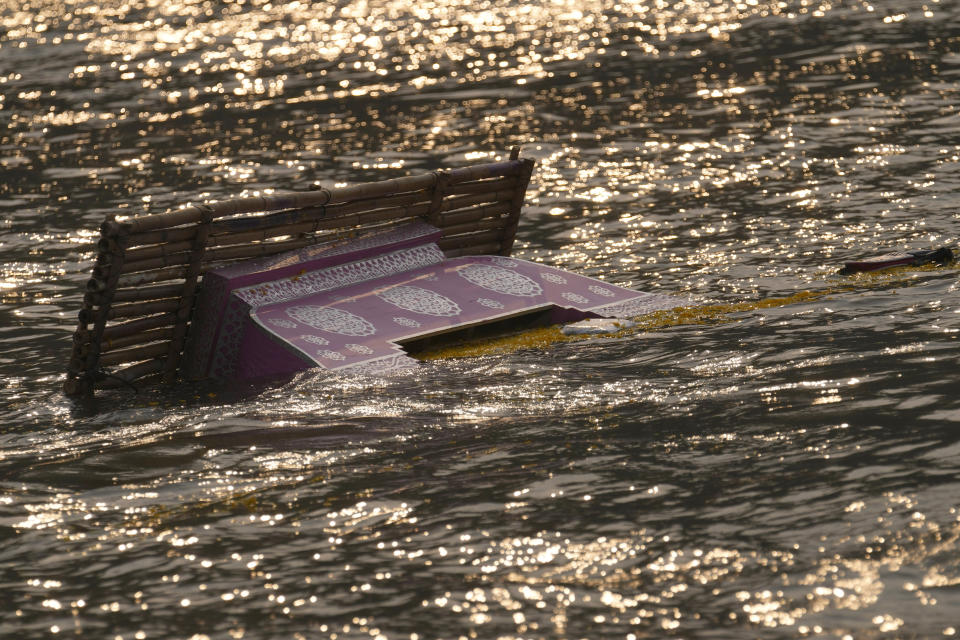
(777, 469)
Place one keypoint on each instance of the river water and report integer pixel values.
(765, 470)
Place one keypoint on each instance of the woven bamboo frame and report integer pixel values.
(139, 299)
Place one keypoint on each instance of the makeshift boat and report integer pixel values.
(344, 279)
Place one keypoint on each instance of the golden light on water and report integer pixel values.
(727, 467)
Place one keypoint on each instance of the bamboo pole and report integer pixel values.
(473, 250)
(143, 308)
(237, 206)
(470, 239)
(462, 202)
(159, 262)
(175, 347)
(96, 284)
(383, 215)
(510, 230)
(160, 236)
(259, 250)
(483, 171)
(111, 264)
(192, 215)
(142, 258)
(508, 183)
(141, 337)
(105, 266)
(139, 253)
(384, 187)
(265, 236)
(135, 354)
(475, 213)
(383, 202)
(133, 327)
(436, 204)
(262, 227)
(131, 374)
(149, 277)
(308, 220)
(157, 292)
(484, 224)
(162, 271)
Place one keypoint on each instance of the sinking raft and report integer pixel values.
(341, 278)
(356, 306)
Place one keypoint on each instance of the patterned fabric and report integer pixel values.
(359, 326)
(601, 291)
(420, 300)
(223, 365)
(330, 319)
(500, 280)
(490, 304)
(340, 276)
(406, 322)
(574, 297)
(359, 348)
(203, 328)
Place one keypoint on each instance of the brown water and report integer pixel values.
(770, 472)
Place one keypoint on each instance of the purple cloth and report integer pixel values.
(228, 294)
(360, 325)
(352, 305)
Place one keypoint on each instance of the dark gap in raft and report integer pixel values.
(512, 325)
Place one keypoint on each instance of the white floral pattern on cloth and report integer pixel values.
(283, 322)
(406, 322)
(287, 289)
(420, 300)
(555, 278)
(332, 320)
(489, 303)
(574, 297)
(601, 291)
(359, 348)
(500, 280)
(503, 262)
(331, 355)
(317, 340)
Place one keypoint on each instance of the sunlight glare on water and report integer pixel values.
(777, 459)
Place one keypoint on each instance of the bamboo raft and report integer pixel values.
(139, 301)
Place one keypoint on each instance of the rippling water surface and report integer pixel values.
(767, 471)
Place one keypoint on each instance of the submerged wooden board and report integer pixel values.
(137, 310)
